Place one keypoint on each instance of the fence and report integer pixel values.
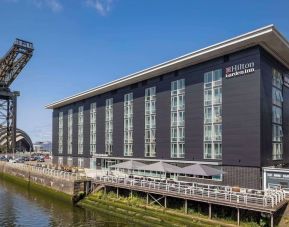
(46, 171)
(248, 197)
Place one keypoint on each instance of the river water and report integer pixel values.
(20, 206)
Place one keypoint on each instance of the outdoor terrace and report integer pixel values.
(268, 201)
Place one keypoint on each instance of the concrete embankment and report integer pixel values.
(62, 187)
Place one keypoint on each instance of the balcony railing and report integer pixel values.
(248, 197)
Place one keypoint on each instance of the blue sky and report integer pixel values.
(80, 44)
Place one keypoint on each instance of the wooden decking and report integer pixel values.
(269, 203)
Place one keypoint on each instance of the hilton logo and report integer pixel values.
(240, 70)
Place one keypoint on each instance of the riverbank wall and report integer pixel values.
(67, 188)
(135, 210)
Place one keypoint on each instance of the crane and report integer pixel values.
(11, 64)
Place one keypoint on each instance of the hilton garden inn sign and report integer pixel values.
(239, 70)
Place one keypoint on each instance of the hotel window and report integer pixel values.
(108, 126)
(92, 163)
(277, 115)
(60, 161)
(128, 124)
(60, 132)
(277, 107)
(80, 130)
(213, 114)
(150, 122)
(69, 131)
(277, 79)
(69, 161)
(80, 162)
(178, 119)
(277, 97)
(92, 128)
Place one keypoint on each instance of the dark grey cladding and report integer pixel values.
(247, 113)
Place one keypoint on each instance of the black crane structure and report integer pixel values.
(11, 65)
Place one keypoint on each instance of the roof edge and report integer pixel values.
(90, 92)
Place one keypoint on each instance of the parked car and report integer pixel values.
(33, 158)
(46, 156)
(26, 159)
(12, 160)
(40, 159)
(19, 160)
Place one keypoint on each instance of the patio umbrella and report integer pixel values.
(130, 165)
(201, 170)
(162, 167)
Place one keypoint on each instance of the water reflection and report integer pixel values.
(20, 206)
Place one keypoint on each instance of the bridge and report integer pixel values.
(269, 201)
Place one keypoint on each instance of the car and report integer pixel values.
(46, 156)
(32, 158)
(19, 160)
(40, 159)
(12, 160)
(26, 159)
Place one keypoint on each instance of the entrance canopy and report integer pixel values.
(162, 167)
(131, 165)
(201, 170)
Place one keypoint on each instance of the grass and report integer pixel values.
(135, 209)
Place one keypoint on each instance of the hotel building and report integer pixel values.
(226, 105)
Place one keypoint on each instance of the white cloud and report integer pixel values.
(101, 6)
(53, 5)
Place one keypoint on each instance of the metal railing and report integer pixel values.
(248, 197)
(46, 171)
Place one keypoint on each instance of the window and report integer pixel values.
(207, 132)
(92, 163)
(277, 79)
(150, 122)
(60, 132)
(108, 126)
(217, 114)
(217, 132)
(213, 114)
(69, 161)
(128, 124)
(69, 131)
(277, 107)
(208, 97)
(178, 118)
(277, 151)
(277, 96)
(80, 130)
(218, 150)
(60, 161)
(277, 115)
(92, 128)
(213, 79)
(277, 133)
(217, 95)
(208, 115)
(80, 162)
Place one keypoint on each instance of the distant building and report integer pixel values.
(42, 146)
(23, 141)
(220, 106)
